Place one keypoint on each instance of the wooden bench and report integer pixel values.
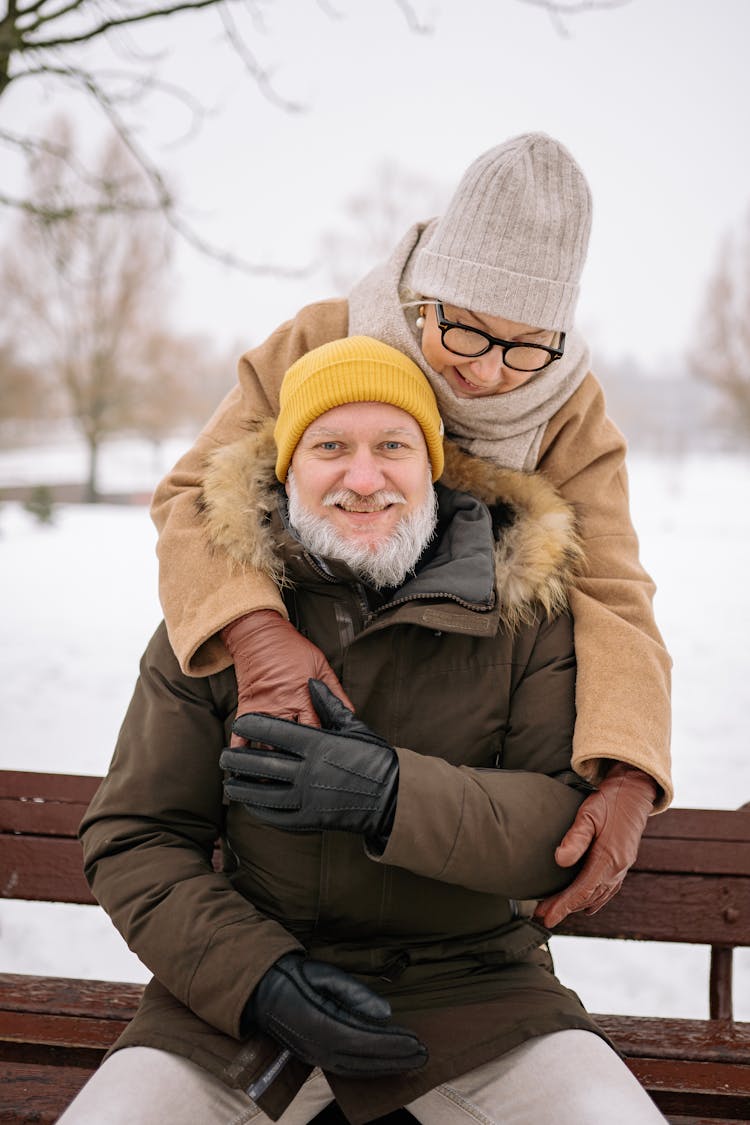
(691, 883)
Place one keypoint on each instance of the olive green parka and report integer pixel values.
(469, 671)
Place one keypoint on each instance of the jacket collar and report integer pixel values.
(537, 552)
(458, 564)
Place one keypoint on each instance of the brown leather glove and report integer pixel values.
(273, 663)
(609, 824)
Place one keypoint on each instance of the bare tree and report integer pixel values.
(44, 37)
(183, 380)
(49, 41)
(22, 396)
(720, 353)
(84, 290)
(374, 220)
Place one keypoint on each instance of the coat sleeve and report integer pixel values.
(201, 591)
(496, 830)
(623, 684)
(148, 839)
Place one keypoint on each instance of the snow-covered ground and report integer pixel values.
(78, 601)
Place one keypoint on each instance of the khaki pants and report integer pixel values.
(568, 1078)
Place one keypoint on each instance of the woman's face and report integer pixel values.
(486, 374)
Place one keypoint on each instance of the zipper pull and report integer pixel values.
(394, 967)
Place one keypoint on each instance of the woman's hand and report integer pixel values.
(273, 663)
(609, 825)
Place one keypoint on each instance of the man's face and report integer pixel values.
(360, 489)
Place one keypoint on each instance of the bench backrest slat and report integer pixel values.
(47, 818)
(69, 996)
(65, 787)
(705, 910)
(691, 881)
(43, 869)
(44, 804)
(698, 857)
(701, 824)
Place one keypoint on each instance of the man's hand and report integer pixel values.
(609, 824)
(343, 777)
(273, 663)
(328, 1019)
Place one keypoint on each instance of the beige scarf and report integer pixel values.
(507, 429)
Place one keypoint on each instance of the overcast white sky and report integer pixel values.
(652, 97)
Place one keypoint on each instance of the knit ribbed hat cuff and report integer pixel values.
(536, 301)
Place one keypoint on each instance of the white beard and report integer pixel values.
(385, 563)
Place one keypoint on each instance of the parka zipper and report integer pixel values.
(369, 615)
(395, 966)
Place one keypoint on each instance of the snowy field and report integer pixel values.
(78, 602)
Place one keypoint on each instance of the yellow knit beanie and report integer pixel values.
(355, 369)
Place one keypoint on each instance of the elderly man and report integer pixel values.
(369, 934)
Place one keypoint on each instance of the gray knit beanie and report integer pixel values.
(513, 240)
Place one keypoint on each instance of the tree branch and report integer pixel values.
(44, 54)
(49, 213)
(329, 10)
(228, 258)
(36, 5)
(164, 200)
(576, 7)
(35, 146)
(556, 9)
(124, 21)
(43, 18)
(413, 21)
(260, 76)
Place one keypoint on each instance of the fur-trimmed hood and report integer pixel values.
(537, 550)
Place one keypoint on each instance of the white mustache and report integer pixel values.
(353, 502)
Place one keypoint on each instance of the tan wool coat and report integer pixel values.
(623, 684)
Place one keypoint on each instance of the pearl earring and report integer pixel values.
(420, 321)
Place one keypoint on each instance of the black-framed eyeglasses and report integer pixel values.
(473, 342)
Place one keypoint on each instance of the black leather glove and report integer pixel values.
(341, 777)
(328, 1019)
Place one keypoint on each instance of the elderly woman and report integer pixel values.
(483, 300)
